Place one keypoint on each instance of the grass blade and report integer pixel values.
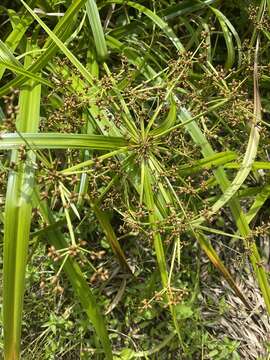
(212, 255)
(208, 162)
(168, 122)
(158, 245)
(61, 141)
(156, 19)
(229, 29)
(61, 46)
(259, 201)
(14, 38)
(18, 211)
(95, 23)
(62, 30)
(111, 237)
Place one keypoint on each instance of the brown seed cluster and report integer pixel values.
(53, 254)
(260, 23)
(175, 296)
(101, 274)
(11, 111)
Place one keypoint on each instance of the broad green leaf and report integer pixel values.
(183, 311)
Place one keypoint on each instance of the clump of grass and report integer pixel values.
(130, 133)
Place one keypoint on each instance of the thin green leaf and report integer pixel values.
(208, 162)
(62, 46)
(62, 30)
(14, 38)
(259, 201)
(61, 141)
(110, 236)
(156, 19)
(8, 60)
(95, 23)
(18, 210)
(228, 38)
(168, 122)
(212, 255)
(224, 20)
